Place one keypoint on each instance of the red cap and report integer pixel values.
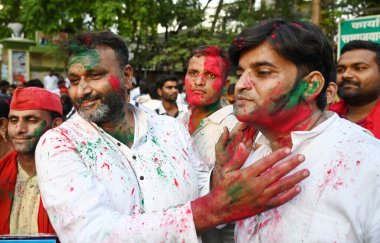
(33, 98)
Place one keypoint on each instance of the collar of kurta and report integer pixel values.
(299, 137)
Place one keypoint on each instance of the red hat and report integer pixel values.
(33, 98)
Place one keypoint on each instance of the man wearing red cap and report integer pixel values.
(33, 111)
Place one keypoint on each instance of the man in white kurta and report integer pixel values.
(339, 203)
(207, 134)
(285, 69)
(102, 182)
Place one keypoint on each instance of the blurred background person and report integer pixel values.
(5, 146)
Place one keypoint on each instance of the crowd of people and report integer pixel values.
(290, 153)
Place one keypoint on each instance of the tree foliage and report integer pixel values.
(186, 24)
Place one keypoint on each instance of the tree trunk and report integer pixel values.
(216, 16)
(316, 12)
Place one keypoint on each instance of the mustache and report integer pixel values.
(348, 81)
(86, 98)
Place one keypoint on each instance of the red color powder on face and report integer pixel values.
(358, 162)
(115, 83)
(71, 189)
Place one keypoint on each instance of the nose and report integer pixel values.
(346, 74)
(21, 127)
(200, 80)
(83, 88)
(244, 82)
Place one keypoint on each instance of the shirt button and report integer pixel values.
(134, 157)
(141, 177)
(118, 144)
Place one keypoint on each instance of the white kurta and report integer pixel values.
(339, 202)
(95, 189)
(209, 131)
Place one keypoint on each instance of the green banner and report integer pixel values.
(363, 28)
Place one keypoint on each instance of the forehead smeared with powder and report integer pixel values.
(216, 53)
(88, 57)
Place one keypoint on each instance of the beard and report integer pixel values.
(110, 108)
(356, 97)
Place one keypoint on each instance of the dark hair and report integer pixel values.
(34, 83)
(4, 83)
(54, 115)
(90, 40)
(144, 87)
(304, 44)
(153, 91)
(366, 45)
(5, 102)
(231, 89)
(163, 78)
(215, 51)
(180, 86)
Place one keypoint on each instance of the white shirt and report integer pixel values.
(51, 83)
(207, 134)
(339, 202)
(161, 109)
(95, 189)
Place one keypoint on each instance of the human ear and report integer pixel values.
(56, 122)
(159, 92)
(315, 82)
(331, 93)
(128, 74)
(3, 128)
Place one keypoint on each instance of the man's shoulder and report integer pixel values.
(224, 116)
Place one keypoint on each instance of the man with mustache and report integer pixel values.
(114, 173)
(33, 111)
(168, 91)
(284, 69)
(358, 79)
(205, 78)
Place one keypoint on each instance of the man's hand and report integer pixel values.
(242, 193)
(228, 144)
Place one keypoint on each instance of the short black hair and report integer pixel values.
(90, 40)
(34, 83)
(302, 43)
(4, 83)
(366, 45)
(217, 52)
(163, 78)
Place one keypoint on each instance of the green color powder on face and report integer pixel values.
(234, 192)
(40, 130)
(88, 57)
(296, 96)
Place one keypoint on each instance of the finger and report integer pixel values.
(284, 197)
(282, 169)
(238, 159)
(286, 183)
(267, 162)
